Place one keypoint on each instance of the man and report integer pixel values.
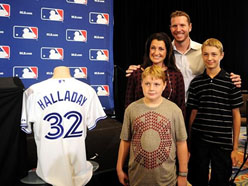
(187, 52)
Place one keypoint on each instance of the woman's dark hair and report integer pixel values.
(169, 59)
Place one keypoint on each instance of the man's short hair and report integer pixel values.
(178, 13)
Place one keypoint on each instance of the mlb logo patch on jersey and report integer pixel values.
(101, 90)
(76, 35)
(99, 18)
(4, 10)
(25, 32)
(83, 2)
(52, 53)
(79, 72)
(25, 72)
(98, 54)
(4, 52)
(52, 14)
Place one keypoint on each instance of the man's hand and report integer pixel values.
(236, 79)
(130, 69)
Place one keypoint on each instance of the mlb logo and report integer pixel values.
(4, 52)
(76, 35)
(99, 18)
(25, 72)
(52, 14)
(4, 10)
(79, 72)
(25, 32)
(52, 53)
(101, 90)
(98, 54)
(83, 2)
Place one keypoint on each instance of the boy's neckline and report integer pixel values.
(152, 104)
(213, 73)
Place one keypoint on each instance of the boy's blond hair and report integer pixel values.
(213, 43)
(154, 71)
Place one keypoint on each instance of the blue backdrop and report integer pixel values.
(38, 35)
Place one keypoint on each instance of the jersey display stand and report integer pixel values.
(32, 178)
(245, 149)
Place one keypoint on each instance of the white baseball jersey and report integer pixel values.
(61, 110)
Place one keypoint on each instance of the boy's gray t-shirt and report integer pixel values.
(153, 133)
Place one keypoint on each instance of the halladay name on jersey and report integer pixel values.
(58, 96)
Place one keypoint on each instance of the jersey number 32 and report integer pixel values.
(57, 129)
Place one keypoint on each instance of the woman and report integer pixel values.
(158, 51)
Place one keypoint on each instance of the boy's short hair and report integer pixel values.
(178, 13)
(213, 43)
(155, 71)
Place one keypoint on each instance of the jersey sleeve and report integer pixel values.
(26, 111)
(95, 112)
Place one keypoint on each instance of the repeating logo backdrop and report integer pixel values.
(38, 35)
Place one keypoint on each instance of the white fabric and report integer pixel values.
(61, 110)
(190, 63)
